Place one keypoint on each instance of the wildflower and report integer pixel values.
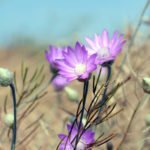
(53, 55)
(76, 63)
(105, 49)
(59, 82)
(68, 142)
(6, 77)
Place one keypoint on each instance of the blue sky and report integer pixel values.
(47, 20)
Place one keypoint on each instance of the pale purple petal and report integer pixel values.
(113, 39)
(117, 42)
(69, 61)
(112, 47)
(61, 136)
(59, 82)
(92, 59)
(74, 64)
(98, 41)
(85, 76)
(119, 48)
(105, 38)
(90, 42)
(71, 78)
(91, 68)
(86, 139)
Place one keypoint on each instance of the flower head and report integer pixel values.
(105, 49)
(103, 74)
(53, 55)
(6, 77)
(59, 82)
(76, 63)
(9, 119)
(68, 142)
(71, 94)
(146, 84)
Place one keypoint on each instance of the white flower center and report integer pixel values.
(80, 69)
(103, 52)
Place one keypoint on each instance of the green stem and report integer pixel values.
(105, 90)
(85, 90)
(132, 40)
(15, 117)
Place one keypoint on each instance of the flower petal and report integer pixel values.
(105, 38)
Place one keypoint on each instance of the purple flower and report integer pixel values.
(105, 49)
(76, 63)
(86, 139)
(59, 82)
(53, 55)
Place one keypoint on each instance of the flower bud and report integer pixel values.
(103, 75)
(147, 119)
(6, 77)
(146, 84)
(84, 121)
(71, 94)
(59, 82)
(109, 146)
(9, 120)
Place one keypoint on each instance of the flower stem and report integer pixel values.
(85, 90)
(144, 141)
(15, 117)
(105, 90)
(131, 119)
(132, 41)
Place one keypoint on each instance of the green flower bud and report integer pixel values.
(84, 121)
(6, 77)
(147, 119)
(146, 84)
(71, 94)
(9, 120)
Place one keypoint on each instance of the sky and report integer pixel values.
(54, 20)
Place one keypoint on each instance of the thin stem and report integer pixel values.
(132, 40)
(145, 141)
(131, 120)
(105, 90)
(85, 90)
(15, 117)
(2, 133)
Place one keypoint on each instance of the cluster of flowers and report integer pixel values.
(78, 63)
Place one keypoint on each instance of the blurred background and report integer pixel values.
(28, 27)
(63, 22)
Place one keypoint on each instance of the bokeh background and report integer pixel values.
(48, 22)
(28, 27)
